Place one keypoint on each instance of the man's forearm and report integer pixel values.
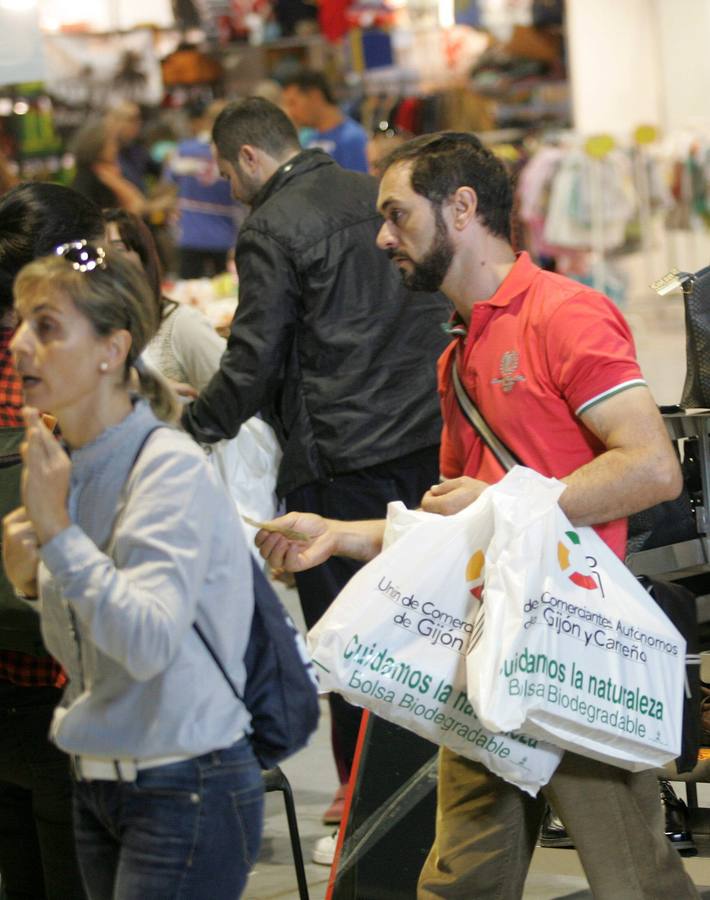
(360, 540)
(619, 483)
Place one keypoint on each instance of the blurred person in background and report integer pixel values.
(98, 175)
(37, 856)
(268, 89)
(8, 174)
(208, 215)
(134, 557)
(381, 144)
(309, 102)
(186, 348)
(135, 162)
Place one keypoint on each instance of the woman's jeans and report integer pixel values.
(185, 831)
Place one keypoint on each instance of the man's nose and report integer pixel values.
(385, 238)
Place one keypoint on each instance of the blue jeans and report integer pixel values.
(185, 831)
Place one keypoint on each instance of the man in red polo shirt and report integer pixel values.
(551, 366)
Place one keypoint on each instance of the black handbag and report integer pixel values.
(696, 296)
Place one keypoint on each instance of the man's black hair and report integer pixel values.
(257, 122)
(34, 219)
(308, 80)
(447, 160)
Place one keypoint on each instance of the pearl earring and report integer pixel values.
(103, 366)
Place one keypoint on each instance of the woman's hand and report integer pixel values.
(453, 495)
(20, 555)
(45, 479)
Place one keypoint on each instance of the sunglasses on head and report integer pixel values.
(82, 256)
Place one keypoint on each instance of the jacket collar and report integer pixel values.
(305, 161)
(116, 445)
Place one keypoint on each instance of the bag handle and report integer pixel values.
(503, 455)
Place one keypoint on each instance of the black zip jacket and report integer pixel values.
(326, 342)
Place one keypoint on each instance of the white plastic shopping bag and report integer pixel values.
(248, 464)
(395, 640)
(573, 650)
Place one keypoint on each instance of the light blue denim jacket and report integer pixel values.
(121, 587)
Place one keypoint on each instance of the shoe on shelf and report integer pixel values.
(324, 850)
(677, 820)
(553, 832)
(334, 813)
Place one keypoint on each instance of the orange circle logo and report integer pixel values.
(474, 573)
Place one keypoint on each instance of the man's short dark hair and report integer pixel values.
(253, 121)
(308, 80)
(34, 219)
(448, 160)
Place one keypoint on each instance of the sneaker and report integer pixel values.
(324, 850)
(677, 824)
(334, 813)
(554, 833)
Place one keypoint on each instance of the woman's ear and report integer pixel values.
(116, 348)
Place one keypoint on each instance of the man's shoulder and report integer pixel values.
(316, 204)
(553, 294)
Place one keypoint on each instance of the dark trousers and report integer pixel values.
(37, 856)
(356, 495)
(202, 263)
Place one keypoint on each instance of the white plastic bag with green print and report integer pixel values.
(395, 639)
(573, 650)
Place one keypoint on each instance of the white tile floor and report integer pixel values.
(658, 328)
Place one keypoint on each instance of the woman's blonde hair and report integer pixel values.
(114, 297)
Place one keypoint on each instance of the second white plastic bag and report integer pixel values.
(573, 649)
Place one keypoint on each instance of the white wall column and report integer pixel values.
(613, 57)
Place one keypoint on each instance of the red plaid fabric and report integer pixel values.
(25, 670)
(10, 384)
(20, 668)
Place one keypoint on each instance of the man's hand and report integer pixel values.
(293, 555)
(20, 555)
(326, 537)
(453, 495)
(45, 479)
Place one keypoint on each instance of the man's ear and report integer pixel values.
(248, 157)
(464, 207)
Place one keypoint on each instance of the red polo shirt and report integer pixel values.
(538, 353)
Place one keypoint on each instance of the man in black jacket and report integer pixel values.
(326, 343)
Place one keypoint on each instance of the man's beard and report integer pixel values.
(430, 271)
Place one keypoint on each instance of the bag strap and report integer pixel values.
(200, 633)
(505, 457)
(218, 662)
